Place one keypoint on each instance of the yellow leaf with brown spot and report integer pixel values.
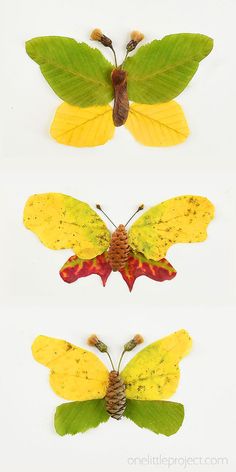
(163, 124)
(81, 127)
(75, 374)
(182, 219)
(153, 374)
(63, 222)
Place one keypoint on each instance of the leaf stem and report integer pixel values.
(126, 55)
(98, 206)
(110, 360)
(113, 50)
(139, 209)
(121, 357)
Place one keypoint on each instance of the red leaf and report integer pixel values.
(75, 268)
(138, 265)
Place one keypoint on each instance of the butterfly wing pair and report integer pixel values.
(63, 222)
(151, 378)
(81, 77)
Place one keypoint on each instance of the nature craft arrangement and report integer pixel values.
(62, 222)
(142, 89)
(138, 392)
(87, 83)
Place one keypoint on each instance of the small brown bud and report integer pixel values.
(130, 345)
(97, 35)
(94, 341)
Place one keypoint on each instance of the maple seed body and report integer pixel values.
(119, 250)
(121, 100)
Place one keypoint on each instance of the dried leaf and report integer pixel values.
(82, 127)
(63, 222)
(138, 265)
(160, 417)
(78, 417)
(75, 373)
(182, 219)
(157, 125)
(161, 70)
(78, 74)
(159, 361)
(76, 268)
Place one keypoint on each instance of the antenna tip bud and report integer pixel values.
(97, 35)
(138, 339)
(141, 207)
(136, 36)
(98, 206)
(94, 341)
(130, 345)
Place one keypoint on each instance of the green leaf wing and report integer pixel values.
(78, 417)
(161, 417)
(161, 70)
(78, 74)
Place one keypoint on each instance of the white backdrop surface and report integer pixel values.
(119, 175)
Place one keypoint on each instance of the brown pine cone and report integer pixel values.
(119, 249)
(115, 397)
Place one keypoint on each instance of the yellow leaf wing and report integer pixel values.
(62, 222)
(81, 127)
(181, 219)
(163, 124)
(76, 374)
(153, 374)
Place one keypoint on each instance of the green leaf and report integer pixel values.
(161, 417)
(78, 74)
(78, 417)
(161, 70)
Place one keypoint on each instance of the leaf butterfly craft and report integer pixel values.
(139, 392)
(63, 222)
(87, 83)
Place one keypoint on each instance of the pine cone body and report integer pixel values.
(119, 249)
(115, 397)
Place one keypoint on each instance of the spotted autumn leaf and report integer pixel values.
(75, 268)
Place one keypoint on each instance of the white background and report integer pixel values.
(119, 175)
